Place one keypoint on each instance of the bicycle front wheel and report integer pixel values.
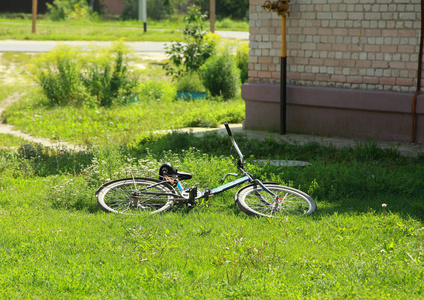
(136, 196)
(255, 200)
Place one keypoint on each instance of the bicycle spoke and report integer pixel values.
(282, 201)
(136, 196)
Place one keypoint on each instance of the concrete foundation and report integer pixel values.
(377, 115)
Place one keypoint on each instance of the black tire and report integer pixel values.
(254, 200)
(133, 196)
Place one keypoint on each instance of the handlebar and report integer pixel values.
(230, 133)
(228, 129)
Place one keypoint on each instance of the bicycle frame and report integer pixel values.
(245, 177)
(144, 191)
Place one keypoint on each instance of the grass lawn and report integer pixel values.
(366, 241)
(166, 30)
(57, 244)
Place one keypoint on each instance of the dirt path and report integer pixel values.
(8, 129)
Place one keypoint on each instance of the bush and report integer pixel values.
(157, 91)
(69, 76)
(70, 9)
(190, 82)
(238, 10)
(221, 75)
(242, 57)
(195, 50)
(107, 76)
(58, 74)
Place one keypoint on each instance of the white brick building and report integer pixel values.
(352, 68)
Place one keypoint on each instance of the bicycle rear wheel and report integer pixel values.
(136, 196)
(255, 200)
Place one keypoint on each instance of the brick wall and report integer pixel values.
(356, 44)
(113, 6)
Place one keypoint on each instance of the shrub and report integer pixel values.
(70, 9)
(190, 82)
(195, 49)
(233, 9)
(242, 57)
(58, 74)
(221, 75)
(108, 78)
(156, 90)
(98, 77)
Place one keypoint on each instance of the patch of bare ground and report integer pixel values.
(8, 129)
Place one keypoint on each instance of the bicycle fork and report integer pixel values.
(276, 198)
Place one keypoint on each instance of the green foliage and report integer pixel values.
(189, 55)
(58, 74)
(221, 75)
(70, 193)
(242, 58)
(10, 140)
(190, 82)
(110, 80)
(238, 10)
(69, 76)
(156, 90)
(70, 10)
(45, 161)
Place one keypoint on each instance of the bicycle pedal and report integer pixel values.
(192, 194)
(207, 194)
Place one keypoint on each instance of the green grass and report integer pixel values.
(9, 140)
(56, 243)
(121, 124)
(88, 31)
(160, 31)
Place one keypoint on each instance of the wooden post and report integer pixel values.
(212, 15)
(34, 15)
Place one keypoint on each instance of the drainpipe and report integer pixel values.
(281, 7)
(420, 59)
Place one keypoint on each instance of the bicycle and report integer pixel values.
(139, 194)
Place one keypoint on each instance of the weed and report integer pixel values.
(195, 50)
(221, 75)
(69, 76)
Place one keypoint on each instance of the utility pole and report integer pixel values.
(34, 15)
(281, 7)
(142, 13)
(212, 15)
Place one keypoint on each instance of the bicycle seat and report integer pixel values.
(168, 170)
(183, 175)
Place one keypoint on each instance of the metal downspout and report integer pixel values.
(420, 59)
